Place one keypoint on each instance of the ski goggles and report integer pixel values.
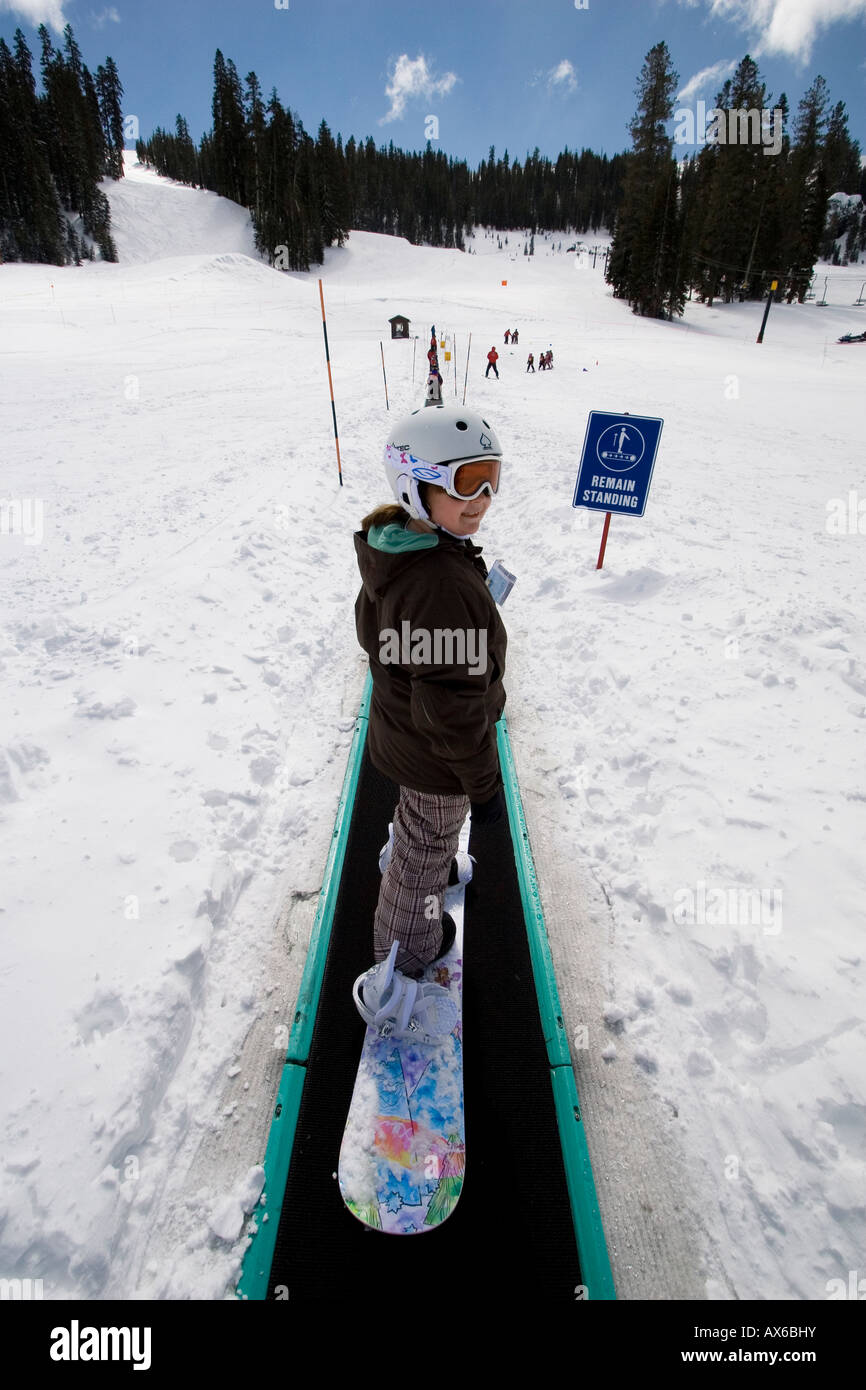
(464, 481)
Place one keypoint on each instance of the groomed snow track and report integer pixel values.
(527, 1222)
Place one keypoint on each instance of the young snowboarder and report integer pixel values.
(492, 359)
(530, 363)
(433, 712)
(434, 389)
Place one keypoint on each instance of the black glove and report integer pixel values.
(488, 812)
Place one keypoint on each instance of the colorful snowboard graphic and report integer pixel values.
(403, 1151)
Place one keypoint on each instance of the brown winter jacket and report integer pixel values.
(433, 711)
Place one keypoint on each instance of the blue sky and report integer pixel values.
(511, 73)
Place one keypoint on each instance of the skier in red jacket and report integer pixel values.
(492, 359)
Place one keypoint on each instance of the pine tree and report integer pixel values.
(110, 90)
(71, 129)
(307, 197)
(645, 249)
(229, 131)
(186, 157)
(807, 190)
(280, 223)
(840, 155)
(334, 202)
(737, 181)
(32, 225)
(254, 115)
(840, 158)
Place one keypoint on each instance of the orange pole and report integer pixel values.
(331, 384)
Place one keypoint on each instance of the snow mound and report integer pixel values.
(153, 218)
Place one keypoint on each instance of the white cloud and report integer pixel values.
(788, 27)
(107, 16)
(707, 77)
(36, 12)
(412, 78)
(563, 75)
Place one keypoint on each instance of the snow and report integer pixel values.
(845, 201)
(180, 677)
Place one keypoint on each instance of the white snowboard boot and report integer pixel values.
(397, 1007)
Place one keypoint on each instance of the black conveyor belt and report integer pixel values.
(512, 1227)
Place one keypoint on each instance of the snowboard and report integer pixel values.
(403, 1151)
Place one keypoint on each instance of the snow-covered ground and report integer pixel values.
(180, 675)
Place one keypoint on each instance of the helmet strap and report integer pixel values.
(420, 509)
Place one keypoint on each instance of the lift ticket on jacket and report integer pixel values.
(500, 582)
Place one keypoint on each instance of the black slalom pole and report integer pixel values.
(773, 285)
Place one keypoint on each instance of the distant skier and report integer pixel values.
(492, 359)
(530, 363)
(514, 338)
(507, 337)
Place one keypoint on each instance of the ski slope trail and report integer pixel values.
(180, 682)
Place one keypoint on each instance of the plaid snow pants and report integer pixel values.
(426, 833)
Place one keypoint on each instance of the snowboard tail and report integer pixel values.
(403, 1154)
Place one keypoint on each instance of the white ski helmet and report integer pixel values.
(429, 445)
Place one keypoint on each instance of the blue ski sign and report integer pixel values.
(616, 464)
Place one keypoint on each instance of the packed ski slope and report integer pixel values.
(180, 676)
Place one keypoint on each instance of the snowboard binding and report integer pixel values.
(396, 1007)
